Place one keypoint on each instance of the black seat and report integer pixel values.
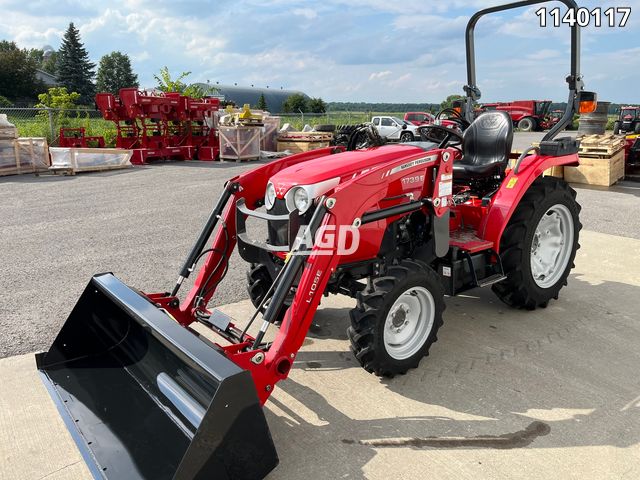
(486, 147)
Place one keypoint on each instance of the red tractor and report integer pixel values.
(628, 121)
(527, 115)
(396, 227)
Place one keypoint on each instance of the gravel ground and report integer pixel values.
(140, 223)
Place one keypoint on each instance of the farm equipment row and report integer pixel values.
(156, 125)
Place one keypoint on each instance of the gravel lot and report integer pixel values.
(140, 223)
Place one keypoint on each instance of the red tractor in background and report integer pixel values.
(396, 227)
(527, 115)
(628, 121)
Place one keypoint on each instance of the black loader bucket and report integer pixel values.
(146, 399)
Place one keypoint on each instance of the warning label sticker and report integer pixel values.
(445, 188)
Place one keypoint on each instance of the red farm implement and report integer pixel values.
(147, 396)
(76, 138)
(162, 126)
(527, 115)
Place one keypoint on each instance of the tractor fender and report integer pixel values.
(511, 191)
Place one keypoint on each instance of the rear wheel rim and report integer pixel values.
(409, 323)
(551, 246)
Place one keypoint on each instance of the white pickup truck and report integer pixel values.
(394, 128)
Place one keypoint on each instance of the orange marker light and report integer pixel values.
(588, 106)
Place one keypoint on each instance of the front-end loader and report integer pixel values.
(396, 227)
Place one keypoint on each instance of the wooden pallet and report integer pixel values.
(601, 145)
(305, 137)
(300, 146)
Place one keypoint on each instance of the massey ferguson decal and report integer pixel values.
(413, 163)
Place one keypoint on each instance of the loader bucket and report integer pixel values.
(146, 399)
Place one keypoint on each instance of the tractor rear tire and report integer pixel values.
(258, 284)
(616, 128)
(395, 323)
(544, 226)
(527, 124)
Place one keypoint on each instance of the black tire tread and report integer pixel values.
(367, 319)
(517, 290)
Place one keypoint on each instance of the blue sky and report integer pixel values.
(341, 50)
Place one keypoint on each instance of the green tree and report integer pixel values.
(58, 97)
(62, 101)
(317, 105)
(75, 71)
(262, 103)
(114, 73)
(295, 103)
(448, 103)
(18, 72)
(167, 84)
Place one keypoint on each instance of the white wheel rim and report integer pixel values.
(551, 246)
(409, 323)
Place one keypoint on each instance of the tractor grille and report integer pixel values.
(279, 230)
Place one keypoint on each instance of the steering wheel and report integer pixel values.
(443, 136)
(454, 116)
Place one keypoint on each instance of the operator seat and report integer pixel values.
(486, 147)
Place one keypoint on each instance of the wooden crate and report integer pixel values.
(601, 145)
(74, 160)
(557, 171)
(300, 146)
(597, 171)
(34, 154)
(9, 158)
(239, 143)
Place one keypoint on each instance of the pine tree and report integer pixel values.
(114, 73)
(75, 71)
(262, 103)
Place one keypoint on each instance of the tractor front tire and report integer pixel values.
(395, 323)
(616, 128)
(258, 284)
(527, 124)
(539, 245)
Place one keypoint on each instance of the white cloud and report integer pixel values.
(368, 50)
(379, 75)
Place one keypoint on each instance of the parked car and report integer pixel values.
(419, 118)
(394, 128)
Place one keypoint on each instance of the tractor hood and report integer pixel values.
(327, 172)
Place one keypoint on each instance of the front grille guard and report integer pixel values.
(256, 251)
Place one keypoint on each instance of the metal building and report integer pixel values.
(274, 97)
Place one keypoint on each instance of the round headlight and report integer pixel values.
(270, 196)
(301, 199)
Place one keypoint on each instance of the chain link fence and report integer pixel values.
(47, 122)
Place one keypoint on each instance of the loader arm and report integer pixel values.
(355, 200)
